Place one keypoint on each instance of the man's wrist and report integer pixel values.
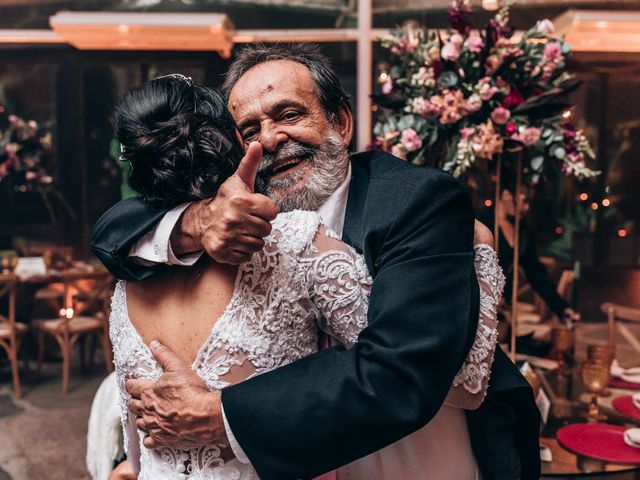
(184, 238)
(214, 425)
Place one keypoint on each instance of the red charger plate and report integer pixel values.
(598, 440)
(619, 383)
(626, 406)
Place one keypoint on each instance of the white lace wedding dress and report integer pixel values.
(303, 281)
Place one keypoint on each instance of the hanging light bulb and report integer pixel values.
(490, 4)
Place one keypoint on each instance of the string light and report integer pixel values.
(488, 202)
(584, 197)
(566, 114)
(622, 233)
(490, 5)
(594, 206)
(606, 202)
(559, 230)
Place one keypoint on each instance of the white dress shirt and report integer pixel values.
(155, 247)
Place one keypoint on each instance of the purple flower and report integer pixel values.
(459, 18)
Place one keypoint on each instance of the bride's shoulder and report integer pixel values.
(294, 231)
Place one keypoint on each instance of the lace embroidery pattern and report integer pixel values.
(272, 319)
(302, 281)
(477, 366)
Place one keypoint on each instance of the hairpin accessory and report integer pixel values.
(178, 76)
(188, 81)
(122, 152)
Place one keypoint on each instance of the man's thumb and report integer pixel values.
(168, 360)
(249, 165)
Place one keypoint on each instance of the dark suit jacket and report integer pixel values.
(415, 228)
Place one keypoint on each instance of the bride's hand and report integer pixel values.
(177, 410)
(481, 234)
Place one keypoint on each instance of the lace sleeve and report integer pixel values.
(339, 286)
(470, 384)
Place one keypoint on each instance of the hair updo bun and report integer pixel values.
(180, 139)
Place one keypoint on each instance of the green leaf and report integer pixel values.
(537, 163)
(559, 153)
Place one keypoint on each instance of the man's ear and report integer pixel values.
(344, 124)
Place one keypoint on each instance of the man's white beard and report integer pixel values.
(329, 165)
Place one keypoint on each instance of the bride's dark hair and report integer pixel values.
(180, 139)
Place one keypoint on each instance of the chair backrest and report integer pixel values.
(621, 314)
(8, 284)
(52, 254)
(88, 293)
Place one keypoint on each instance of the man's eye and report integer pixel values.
(248, 134)
(290, 115)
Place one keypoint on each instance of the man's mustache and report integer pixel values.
(288, 151)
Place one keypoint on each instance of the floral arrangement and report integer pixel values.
(24, 150)
(453, 99)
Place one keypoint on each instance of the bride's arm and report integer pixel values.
(339, 286)
(470, 384)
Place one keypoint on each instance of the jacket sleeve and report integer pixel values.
(338, 405)
(117, 230)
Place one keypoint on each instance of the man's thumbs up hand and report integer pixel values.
(231, 226)
(249, 165)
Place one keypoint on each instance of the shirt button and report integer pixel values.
(156, 249)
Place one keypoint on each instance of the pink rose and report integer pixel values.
(511, 128)
(410, 140)
(473, 103)
(500, 115)
(387, 87)
(545, 26)
(399, 151)
(456, 39)
(474, 43)
(552, 52)
(529, 136)
(450, 51)
(466, 132)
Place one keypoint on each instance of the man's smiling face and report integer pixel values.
(305, 154)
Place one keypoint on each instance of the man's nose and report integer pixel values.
(272, 138)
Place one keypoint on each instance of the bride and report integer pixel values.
(234, 322)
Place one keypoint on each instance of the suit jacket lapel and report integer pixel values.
(353, 232)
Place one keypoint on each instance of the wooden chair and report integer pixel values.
(11, 332)
(617, 316)
(85, 311)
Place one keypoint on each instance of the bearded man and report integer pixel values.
(414, 227)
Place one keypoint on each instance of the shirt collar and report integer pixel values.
(333, 210)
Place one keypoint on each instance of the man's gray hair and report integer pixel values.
(332, 95)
